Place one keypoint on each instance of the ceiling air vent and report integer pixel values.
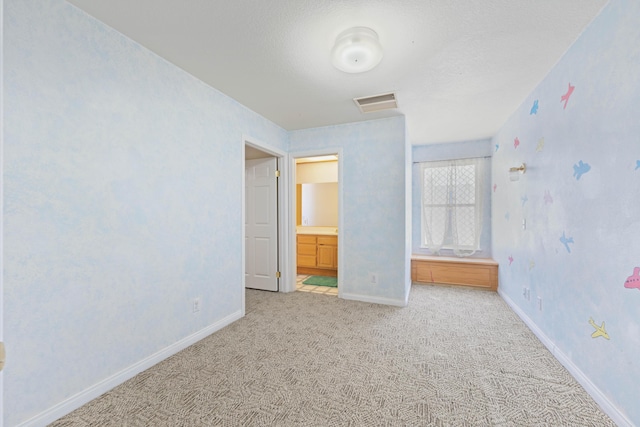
(369, 104)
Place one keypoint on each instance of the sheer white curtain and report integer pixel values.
(452, 205)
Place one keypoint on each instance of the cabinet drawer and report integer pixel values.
(306, 260)
(306, 238)
(304, 249)
(328, 240)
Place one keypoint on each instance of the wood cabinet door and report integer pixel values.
(326, 257)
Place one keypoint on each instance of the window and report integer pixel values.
(452, 205)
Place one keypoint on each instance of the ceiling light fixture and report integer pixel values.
(356, 50)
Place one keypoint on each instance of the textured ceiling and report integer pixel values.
(459, 67)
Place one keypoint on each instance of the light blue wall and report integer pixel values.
(373, 182)
(599, 210)
(448, 151)
(122, 192)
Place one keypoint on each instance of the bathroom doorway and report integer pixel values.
(317, 205)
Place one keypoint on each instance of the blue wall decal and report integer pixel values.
(547, 197)
(580, 169)
(600, 330)
(540, 145)
(637, 165)
(565, 241)
(534, 109)
(506, 216)
(633, 281)
(524, 199)
(567, 95)
(497, 147)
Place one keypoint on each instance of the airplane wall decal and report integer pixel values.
(567, 95)
(534, 109)
(633, 281)
(565, 241)
(580, 169)
(600, 331)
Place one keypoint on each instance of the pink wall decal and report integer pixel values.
(567, 95)
(633, 281)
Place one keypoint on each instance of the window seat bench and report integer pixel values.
(476, 272)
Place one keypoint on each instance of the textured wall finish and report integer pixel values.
(578, 133)
(122, 202)
(373, 182)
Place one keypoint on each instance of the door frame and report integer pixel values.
(290, 284)
(2, 203)
(283, 200)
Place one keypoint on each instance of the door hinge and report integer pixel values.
(3, 356)
(277, 274)
(277, 174)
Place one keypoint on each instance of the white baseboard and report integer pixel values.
(605, 404)
(74, 402)
(374, 300)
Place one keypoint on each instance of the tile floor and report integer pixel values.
(325, 290)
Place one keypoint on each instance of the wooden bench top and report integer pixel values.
(450, 259)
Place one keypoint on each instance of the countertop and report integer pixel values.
(328, 231)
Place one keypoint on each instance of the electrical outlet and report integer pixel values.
(540, 303)
(373, 278)
(196, 305)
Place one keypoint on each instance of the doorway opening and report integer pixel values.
(317, 223)
(264, 256)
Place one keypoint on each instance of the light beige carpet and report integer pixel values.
(453, 357)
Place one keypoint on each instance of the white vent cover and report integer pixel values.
(369, 104)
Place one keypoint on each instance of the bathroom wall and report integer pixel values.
(318, 193)
(579, 134)
(320, 204)
(122, 193)
(317, 172)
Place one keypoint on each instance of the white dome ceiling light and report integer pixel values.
(356, 50)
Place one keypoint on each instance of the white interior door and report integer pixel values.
(261, 224)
